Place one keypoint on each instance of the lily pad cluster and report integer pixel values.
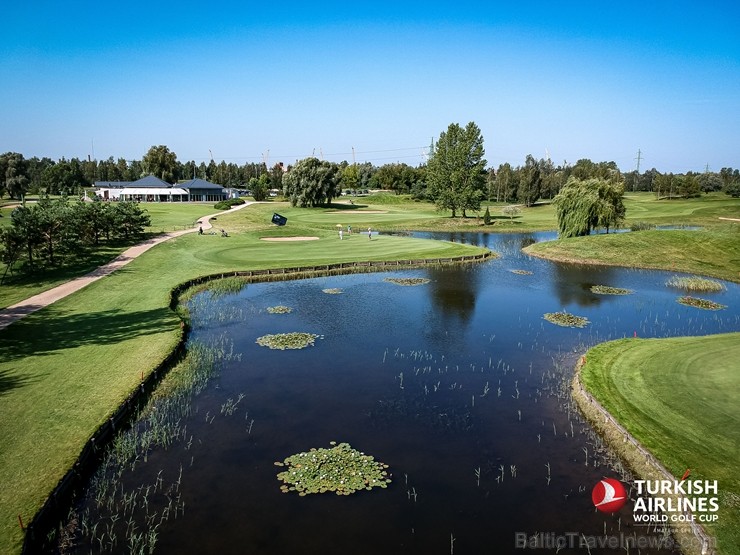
(340, 469)
(292, 340)
(408, 281)
(606, 290)
(333, 291)
(700, 303)
(521, 272)
(279, 309)
(566, 320)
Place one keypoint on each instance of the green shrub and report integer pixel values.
(228, 203)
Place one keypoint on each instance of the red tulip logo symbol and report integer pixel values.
(609, 495)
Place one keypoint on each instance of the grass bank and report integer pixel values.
(164, 217)
(65, 368)
(678, 398)
(711, 252)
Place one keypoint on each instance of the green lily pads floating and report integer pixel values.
(279, 309)
(700, 303)
(606, 290)
(333, 291)
(521, 272)
(566, 320)
(408, 281)
(282, 341)
(339, 469)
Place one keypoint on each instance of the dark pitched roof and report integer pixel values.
(112, 184)
(199, 184)
(149, 181)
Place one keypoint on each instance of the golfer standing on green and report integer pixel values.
(369, 233)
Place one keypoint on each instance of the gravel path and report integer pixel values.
(19, 310)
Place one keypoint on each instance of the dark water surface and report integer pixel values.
(459, 385)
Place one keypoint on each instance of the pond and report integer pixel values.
(458, 384)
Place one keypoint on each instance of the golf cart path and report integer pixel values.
(19, 310)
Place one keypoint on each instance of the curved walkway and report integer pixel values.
(19, 310)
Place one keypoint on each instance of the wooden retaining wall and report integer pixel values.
(275, 274)
(75, 480)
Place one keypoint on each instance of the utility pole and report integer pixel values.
(637, 177)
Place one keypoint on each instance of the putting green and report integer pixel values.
(678, 397)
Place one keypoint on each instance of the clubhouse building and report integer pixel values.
(153, 189)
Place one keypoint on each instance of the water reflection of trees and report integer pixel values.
(572, 283)
(453, 295)
(527, 240)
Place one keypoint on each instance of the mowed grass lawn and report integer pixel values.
(386, 212)
(711, 252)
(679, 398)
(65, 369)
(164, 217)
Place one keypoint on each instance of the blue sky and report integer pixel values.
(236, 79)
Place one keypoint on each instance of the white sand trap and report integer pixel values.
(357, 212)
(289, 238)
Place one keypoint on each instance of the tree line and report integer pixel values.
(55, 232)
(526, 183)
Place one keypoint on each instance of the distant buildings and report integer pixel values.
(153, 189)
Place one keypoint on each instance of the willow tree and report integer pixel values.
(585, 205)
(312, 182)
(456, 175)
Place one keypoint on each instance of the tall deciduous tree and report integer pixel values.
(456, 176)
(13, 175)
(161, 162)
(506, 183)
(350, 177)
(259, 187)
(64, 177)
(530, 182)
(276, 176)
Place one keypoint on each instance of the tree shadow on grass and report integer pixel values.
(9, 381)
(343, 206)
(46, 332)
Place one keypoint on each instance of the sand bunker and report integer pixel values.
(356, 212)
(289, 238)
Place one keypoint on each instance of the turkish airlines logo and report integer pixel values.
(609, 495)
